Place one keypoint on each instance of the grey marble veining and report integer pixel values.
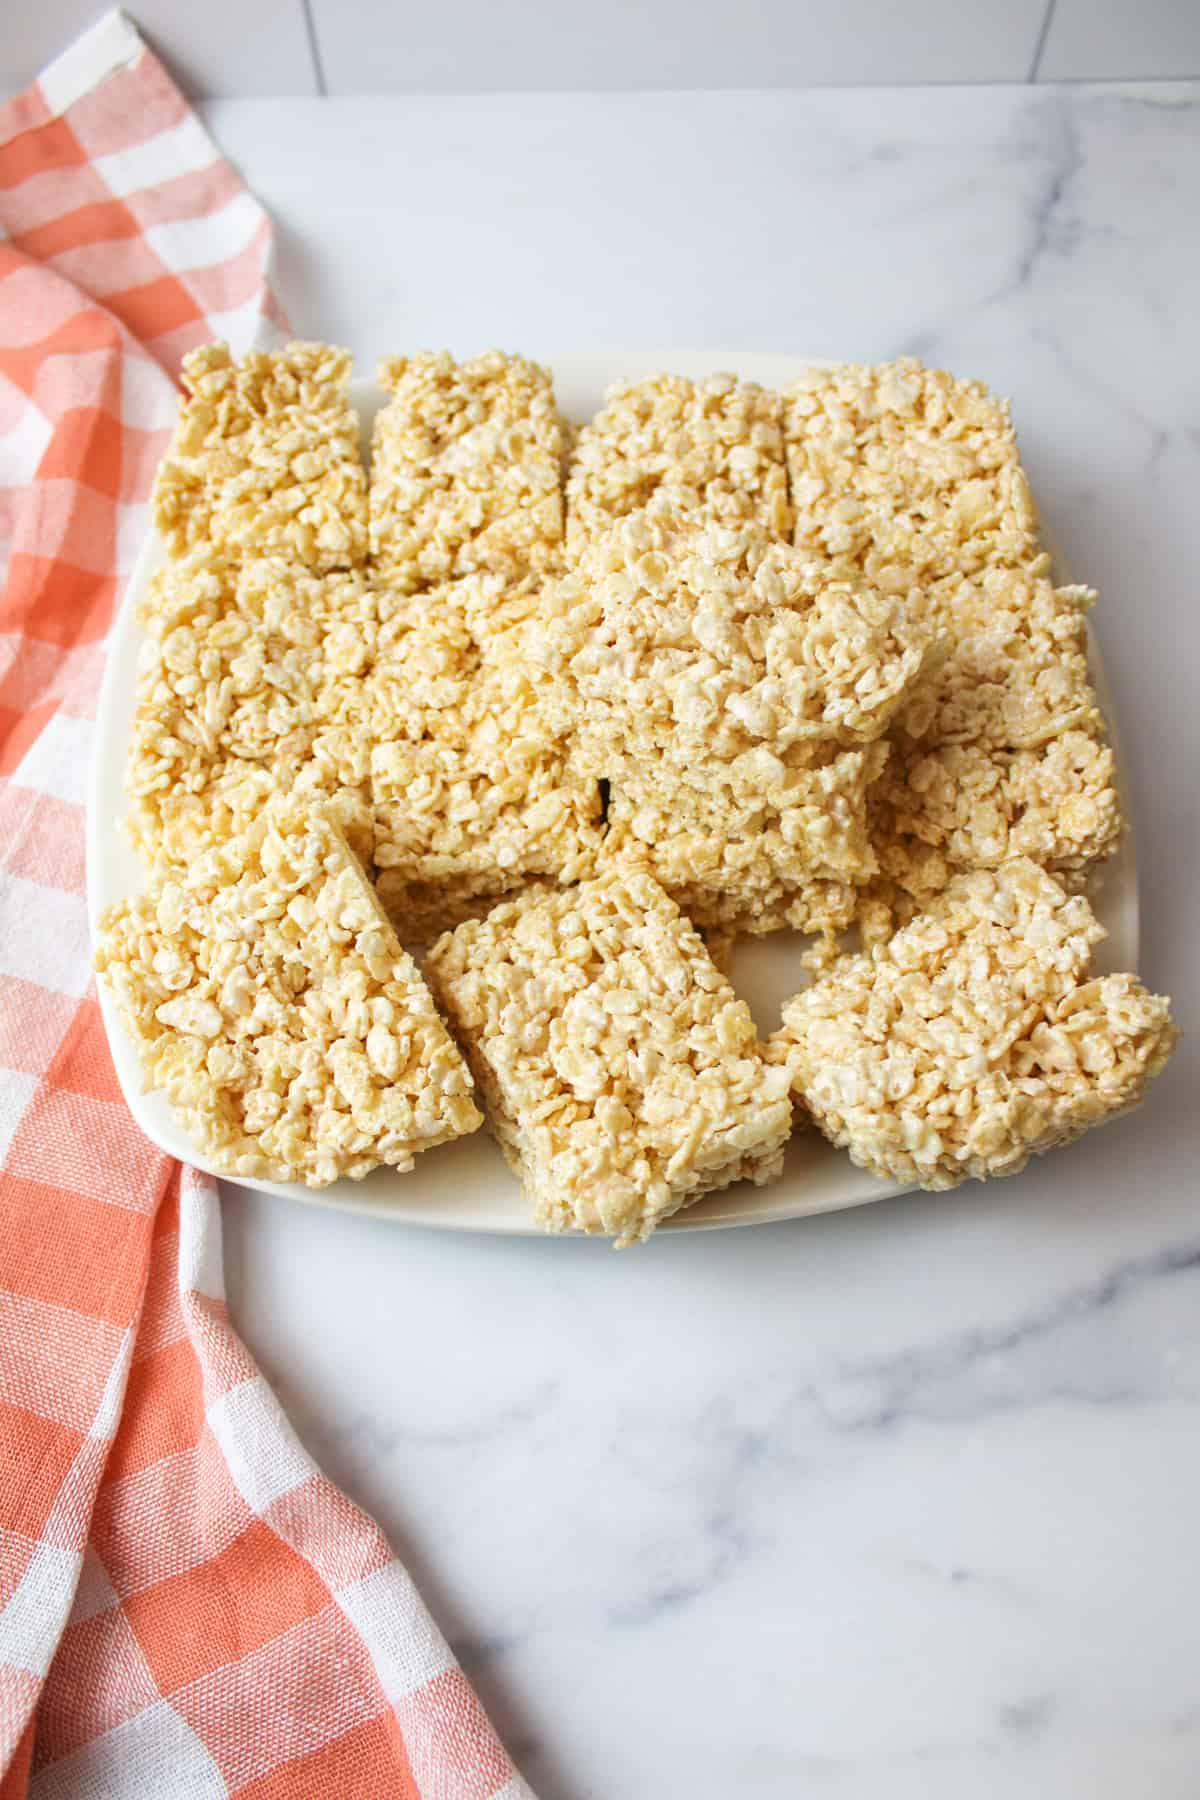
(897, 1502)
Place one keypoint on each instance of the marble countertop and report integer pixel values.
(899, 1502)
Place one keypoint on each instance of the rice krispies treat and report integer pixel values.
(715, 447)
(271, 1003)
(1013, 673)
(1000, 751)
(800, 823)
(466, 469)
(904, 474)
(705, 645)
(976, 808)
(265, 459)
(741, 882)
(972, 1039)
(623, 1076)
(250, 678)
(473, 791)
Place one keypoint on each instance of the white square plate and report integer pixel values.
(466, 1186)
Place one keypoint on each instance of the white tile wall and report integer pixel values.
(491, 45)
(248, 47)
(1103, 40)
(225, 47)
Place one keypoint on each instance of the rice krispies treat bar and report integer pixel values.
(473, 791)
(622, 1074)
(705, 645)
(743, 881)
(265, 459)
(251, 678)
(972, 1039)
(466, 469)
(1013, 673)
(966, 806)
(905, 475)
(270, 1001)
(749, 845)
(1000, 751)
(713, 450)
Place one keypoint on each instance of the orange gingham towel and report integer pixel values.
(187, 1606)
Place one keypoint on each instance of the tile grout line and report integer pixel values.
(1038, 49)
(314, 47)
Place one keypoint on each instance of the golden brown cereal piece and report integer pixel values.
(265, 459)
(251, 678)
(270, 1002)
(622, 1074)
(905, 475)
(473, 790)
(466, 470)
(708, 646)
(712, 449)
(972, 1039)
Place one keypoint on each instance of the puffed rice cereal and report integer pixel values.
(712, 450)
(905, 475)
(973, 1038)
(265, 460)
(466, 470)
(622, 1074)
(271, 1003)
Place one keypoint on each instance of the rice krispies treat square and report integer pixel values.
(1013, 673)
(798, 823)
(622, 1074)
(746, 878)
(975, 807)
(972, 1039)
(905, 474)
(707, 645)
(270, 1001)
(265, 460)
(1000, 750)
(473, 791)
(466, 470)
(250, 678)
(714, 447)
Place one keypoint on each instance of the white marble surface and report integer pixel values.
(898, 1503)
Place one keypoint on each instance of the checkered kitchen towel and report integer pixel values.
(187, 1607)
